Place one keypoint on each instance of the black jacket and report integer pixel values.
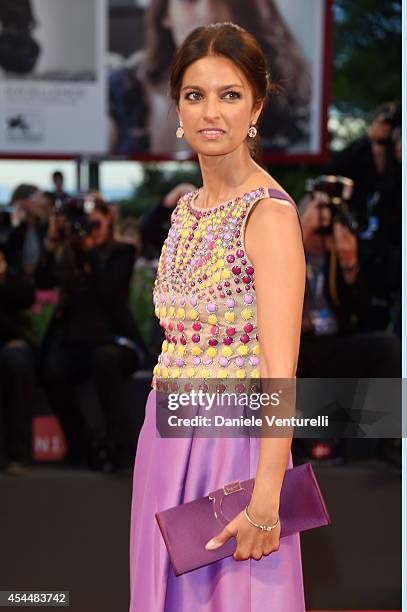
(94, 292)
(17, 293)
(356, 162)
(379, 252)
(352, 305)
(154, 225)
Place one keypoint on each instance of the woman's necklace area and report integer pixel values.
(204, 248)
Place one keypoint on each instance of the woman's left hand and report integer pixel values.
(252, 542)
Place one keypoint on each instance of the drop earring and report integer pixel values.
(180, 130)
(252, 131)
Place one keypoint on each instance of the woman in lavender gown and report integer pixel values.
(229, 296)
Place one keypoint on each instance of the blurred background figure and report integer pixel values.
(129, 233)
(59, 192)
(154, 224)
(23, 225)
(333, 318)
(373, 162)
(334, 343)
(141, 119)
(93, 333)
(17, 367)
(29, 212)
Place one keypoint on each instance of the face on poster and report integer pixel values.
(52, 77)
(143, 37)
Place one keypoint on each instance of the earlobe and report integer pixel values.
(258, 108)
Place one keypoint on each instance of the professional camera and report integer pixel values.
(76, 211)
(337, 191)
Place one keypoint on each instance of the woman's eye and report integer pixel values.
(193, 96)
(232, 95)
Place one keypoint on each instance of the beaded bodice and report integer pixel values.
(204, 293)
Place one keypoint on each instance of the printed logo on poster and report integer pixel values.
(24, 126)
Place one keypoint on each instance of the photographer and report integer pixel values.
(17, 368)
(372, 162)
(336, 295)
(27, 225)
(93, 333)
(332, 344)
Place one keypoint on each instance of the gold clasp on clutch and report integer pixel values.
(232, 487)
(227, 489)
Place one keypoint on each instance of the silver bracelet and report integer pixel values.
(263, 527)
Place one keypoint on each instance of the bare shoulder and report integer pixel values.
(273, 227)
(273, 212)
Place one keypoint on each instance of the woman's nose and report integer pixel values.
(211, 107)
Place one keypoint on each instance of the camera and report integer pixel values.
(337, 191)
(76, 211)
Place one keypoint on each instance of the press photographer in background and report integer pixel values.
(93, 333)
(28, 224)
(373, 162)
(17, 364)
(333, 343)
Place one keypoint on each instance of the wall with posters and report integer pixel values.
(293, 36)
(68, 89)
(52, 77)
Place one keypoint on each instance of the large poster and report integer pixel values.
(91, 76)
(52, 77)
(144, 36)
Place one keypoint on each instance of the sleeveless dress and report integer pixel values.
(205, 299)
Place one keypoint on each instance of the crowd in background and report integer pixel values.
(80, 248)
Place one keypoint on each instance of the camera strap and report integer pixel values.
(321, 317)
(316, 279)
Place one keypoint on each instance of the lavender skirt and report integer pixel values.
(169, 472)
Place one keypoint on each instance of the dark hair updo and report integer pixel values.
(235, 44)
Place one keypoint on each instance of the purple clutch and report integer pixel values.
(188, 527)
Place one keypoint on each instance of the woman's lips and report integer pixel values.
(212, 133)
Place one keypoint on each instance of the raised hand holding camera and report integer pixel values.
(346, 247)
